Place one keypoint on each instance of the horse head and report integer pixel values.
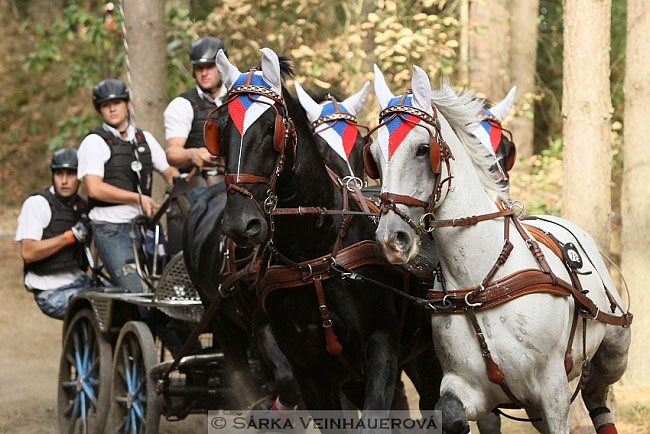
(340, 141)
(419, 153)
(255, 134)
(491, 134)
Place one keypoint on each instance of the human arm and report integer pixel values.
(179, 117)
(169, 174)
(35, 250)
(182, 157)
(100, 190)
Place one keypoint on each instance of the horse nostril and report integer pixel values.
(400, 241)
(253, 227)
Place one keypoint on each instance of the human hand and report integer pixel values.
(149, 206)
(202, 157)
(80, 232)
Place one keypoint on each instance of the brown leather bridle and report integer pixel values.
(439, 153)
(284, 134)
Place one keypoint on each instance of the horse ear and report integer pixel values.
(228, 72)
(421, 90)
(312, 108)
(381, 89)
(355, 103)
(271, 69)
(501, 110)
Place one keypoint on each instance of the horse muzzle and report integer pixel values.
(243, 223)
(397, 240)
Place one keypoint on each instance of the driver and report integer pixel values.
(52, 232)
(185, 115)
(116, 162)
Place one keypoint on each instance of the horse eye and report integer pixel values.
(422, 150)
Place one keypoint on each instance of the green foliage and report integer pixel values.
(90, 50)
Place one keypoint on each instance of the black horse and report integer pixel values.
(239, 325)
(240, 322)
(272, 161)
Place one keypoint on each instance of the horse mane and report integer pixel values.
(460, 110)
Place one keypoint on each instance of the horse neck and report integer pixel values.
(305, 184)
(467, 253)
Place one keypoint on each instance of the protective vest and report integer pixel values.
(117, 170)
(64, 216)
(201, 108)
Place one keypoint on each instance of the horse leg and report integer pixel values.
(426, 374)
(552, 400)
(234, 342)
(489, 424)
(607, 367)
(380, 371)
(288, 397)
(454, 420)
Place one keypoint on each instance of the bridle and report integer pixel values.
(340, 115)
(284, 134)
(439, 153)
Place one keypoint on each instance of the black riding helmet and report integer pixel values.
(109, 89)
(65, 158)
(205, 50)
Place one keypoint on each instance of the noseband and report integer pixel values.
(439, 153)
(284, 134)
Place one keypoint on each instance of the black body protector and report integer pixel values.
(201, 108)
(118, 169)
(64, 215)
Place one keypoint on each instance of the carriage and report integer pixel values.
(118, 366)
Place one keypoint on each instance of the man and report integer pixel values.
(185, 115)
(52, 233)
(116, 162)
(184, 119)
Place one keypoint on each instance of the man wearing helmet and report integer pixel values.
(186, 114)
(52, 232)
(116, 162)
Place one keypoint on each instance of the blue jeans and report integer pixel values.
(54, 302)
(194, 193)
(114, 248)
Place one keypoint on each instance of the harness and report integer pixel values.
(440, 154)
(491, 293)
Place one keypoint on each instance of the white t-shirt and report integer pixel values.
(179, 113)
(34, 217)
(93, 153)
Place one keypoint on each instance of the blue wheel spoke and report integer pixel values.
(90, 393)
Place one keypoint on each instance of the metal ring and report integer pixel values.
(517, 204)
(348, 179)
(424, 225)
(311, 273)
(468, 304)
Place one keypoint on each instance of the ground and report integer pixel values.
(31, 345)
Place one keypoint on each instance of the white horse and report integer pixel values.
(433, 171)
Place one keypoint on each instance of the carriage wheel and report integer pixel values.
(136, 405)
(84, 376)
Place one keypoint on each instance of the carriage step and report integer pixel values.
(194, 360)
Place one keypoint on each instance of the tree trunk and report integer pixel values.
(145, 30)
(489, 46)
(523, 56)
(635, 203)
(586, 111)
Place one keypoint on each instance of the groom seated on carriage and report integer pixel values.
(52, 231)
